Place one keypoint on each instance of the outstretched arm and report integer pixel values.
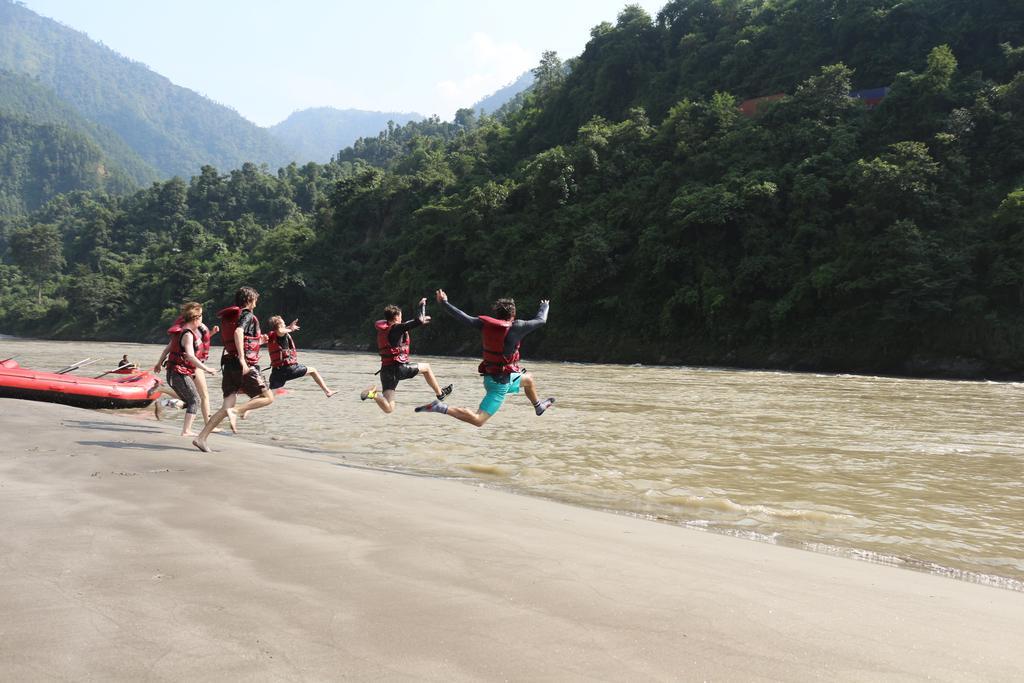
(521, 328)
(470, 320)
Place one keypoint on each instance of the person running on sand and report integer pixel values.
(240, 364)
(502, 335)
(205, 337)
(393, 342)
(182, 362)
(284, 356)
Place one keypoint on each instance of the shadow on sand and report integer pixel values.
(108, 427)
(141, 446)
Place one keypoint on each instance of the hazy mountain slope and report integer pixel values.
(318, 134)
(27, 98)
(40, 161)
(495, 100)
(172, 128)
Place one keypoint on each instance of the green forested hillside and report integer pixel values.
(664, 224)
(173, 129)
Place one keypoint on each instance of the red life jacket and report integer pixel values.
(176, 358)
(391, 355)
(282, 354)
(203, 352)
(229, 318)
(204, 342)
(495, 361)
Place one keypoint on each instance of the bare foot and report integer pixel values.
(201, 445)
(329, 393)
(217, 430)
(233, 419)
(189, 434)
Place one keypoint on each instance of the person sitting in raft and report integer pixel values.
(284, 360)
(240, 332)
(125, 363)
(502, 335)
(393, 343)
(182, 362)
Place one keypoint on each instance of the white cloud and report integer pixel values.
(490, 64)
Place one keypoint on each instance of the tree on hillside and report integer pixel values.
(37, 250)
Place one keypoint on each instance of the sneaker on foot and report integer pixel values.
(368, 392)
(445, 392)
(432, 407)
(543, 405)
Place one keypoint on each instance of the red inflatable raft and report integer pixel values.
(134, 389)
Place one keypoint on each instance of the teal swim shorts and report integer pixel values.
(496, 392)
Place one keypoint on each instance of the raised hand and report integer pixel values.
(441, 296)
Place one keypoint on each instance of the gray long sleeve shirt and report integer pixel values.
(519, 329)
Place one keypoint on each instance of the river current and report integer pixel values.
(924, 474)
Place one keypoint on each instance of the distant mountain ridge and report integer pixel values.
(319, 133)
(173, 129)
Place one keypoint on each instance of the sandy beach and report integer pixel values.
(128, 555)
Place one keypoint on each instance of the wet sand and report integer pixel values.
(126, 554)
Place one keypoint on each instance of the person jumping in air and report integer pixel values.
(502, 335)
(183, 361)
(242, 338)
(284, 361)
(393, 345)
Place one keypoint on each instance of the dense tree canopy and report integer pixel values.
(664, 224)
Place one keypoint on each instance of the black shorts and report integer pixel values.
(286, 373)
(232, 382)
(391, 375)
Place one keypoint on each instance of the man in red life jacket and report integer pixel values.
(284, 357)
(393, 342)
(242, 338)
(502, 335)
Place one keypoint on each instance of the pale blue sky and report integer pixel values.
(268, 58)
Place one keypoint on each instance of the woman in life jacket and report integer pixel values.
(203, 354)
(240, 370)
(393, 343)
(205, 338)
(183, 361)
(284, 357)
(501, 336)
